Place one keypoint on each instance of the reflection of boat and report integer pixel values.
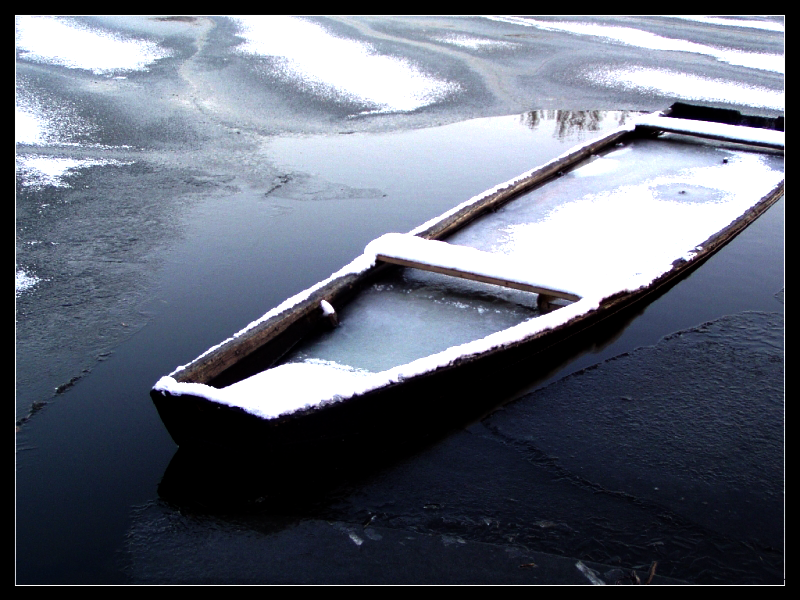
(405, 329)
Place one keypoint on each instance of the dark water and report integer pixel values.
(90, 463)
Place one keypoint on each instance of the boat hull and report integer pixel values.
(432, 402)
(457, 389)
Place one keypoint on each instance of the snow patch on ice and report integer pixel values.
(25, 281)
(40, 171)
(68, 43)
(644, 39)
(732, 22)
(340, 68)
(472, 42)
(42, 121)
(689, 87)
(29, 128)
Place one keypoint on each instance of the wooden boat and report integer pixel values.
(407, 329)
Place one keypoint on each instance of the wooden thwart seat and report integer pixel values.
(461, 261)
(767, 138)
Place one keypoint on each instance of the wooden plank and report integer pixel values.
(463, 262)
(517, 285)
(755, 136)
(683, 110)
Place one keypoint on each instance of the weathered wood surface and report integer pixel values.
(463, 262)
(210, 364)
(509, 283)
(753, 136)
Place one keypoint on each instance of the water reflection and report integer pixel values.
(308, 476)
(569, 123)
